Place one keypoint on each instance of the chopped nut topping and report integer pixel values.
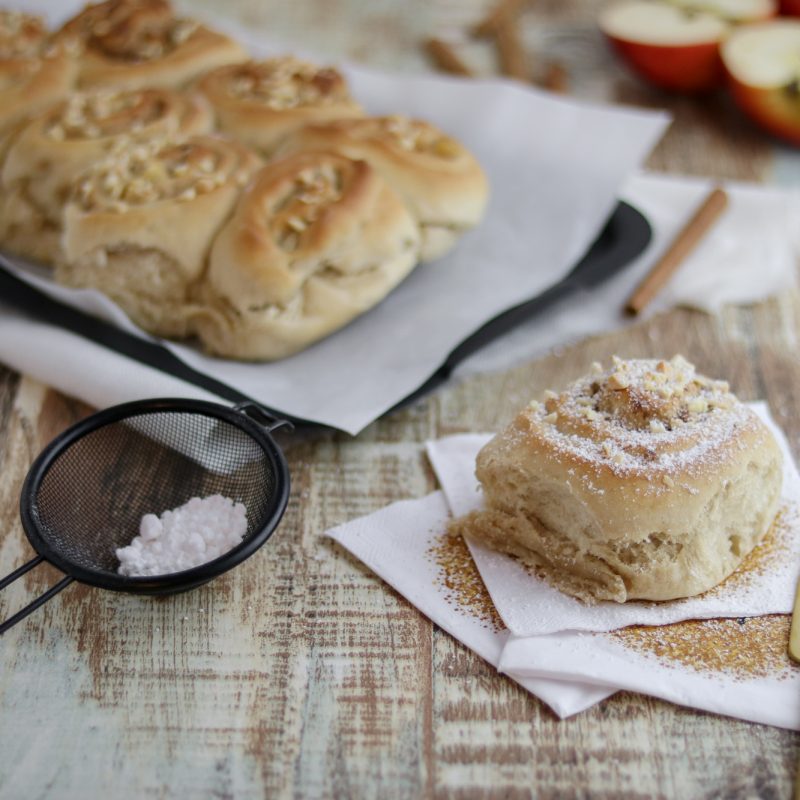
(110, 113)
(21, 35)
(417, 136)
(135, 30)
(313, 189)
(153, 171)
(288, 82)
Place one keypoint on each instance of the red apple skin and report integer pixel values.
(676, 68)
(774, 110)
(790, 8)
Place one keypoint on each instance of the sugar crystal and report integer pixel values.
(192, 534)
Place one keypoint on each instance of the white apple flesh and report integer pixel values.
(675, 44)
(763, 67)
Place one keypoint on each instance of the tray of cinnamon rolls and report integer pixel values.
(252, 206)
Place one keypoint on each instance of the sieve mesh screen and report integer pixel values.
(91, 499)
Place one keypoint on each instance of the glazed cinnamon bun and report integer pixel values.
(263, 102)
(141, 222)
(642, 481)
(52, 150)
(315, 240)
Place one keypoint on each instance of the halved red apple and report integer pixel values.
(675, 43)
(763, 66)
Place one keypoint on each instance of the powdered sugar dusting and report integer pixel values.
(642, 417)
(192, 534)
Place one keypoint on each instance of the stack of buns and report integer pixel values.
(249, 204)
(645, 481)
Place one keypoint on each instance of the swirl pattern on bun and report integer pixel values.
(141, 222)
(643, 481)
(263, 102)
(128, 44)
(439, 179)
(315, 240)
(51, 151)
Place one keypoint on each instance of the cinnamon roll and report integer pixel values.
(128, 44)
(645, 480)
(262, 102)
(33, 72)
(49, 153)
(315, 240)
(439, 179)
(141, 222)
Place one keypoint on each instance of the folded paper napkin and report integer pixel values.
(404, 544)
(735, 666)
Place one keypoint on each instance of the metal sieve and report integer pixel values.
(86, 493)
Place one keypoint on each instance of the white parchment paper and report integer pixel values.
(555, 168)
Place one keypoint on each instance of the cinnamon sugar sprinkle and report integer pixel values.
(459, 579)
(742, 649)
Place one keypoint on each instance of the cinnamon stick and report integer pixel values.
(683, 244)
(500, 12)
(555, 78)
(446, 58)
(511, 53)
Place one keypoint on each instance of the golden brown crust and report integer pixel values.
(263, 102)
(164, 201)
(439, 179)
(33, 73)
(646, 480)
(128, 44)
(315, 240)
(50, 152)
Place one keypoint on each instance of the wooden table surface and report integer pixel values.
(300, 673)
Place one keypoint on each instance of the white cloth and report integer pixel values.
(749, 254)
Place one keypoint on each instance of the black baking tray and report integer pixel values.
(625, 235)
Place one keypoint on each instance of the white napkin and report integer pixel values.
(555, 167)
(530, 607)
(738, 669)
(398, 544)
(406, 544)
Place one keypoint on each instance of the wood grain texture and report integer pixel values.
(300, 674)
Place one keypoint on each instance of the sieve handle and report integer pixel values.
(259, 414)
(39, 601)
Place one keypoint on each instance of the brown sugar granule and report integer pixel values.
(459, 578)
(744, 648)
